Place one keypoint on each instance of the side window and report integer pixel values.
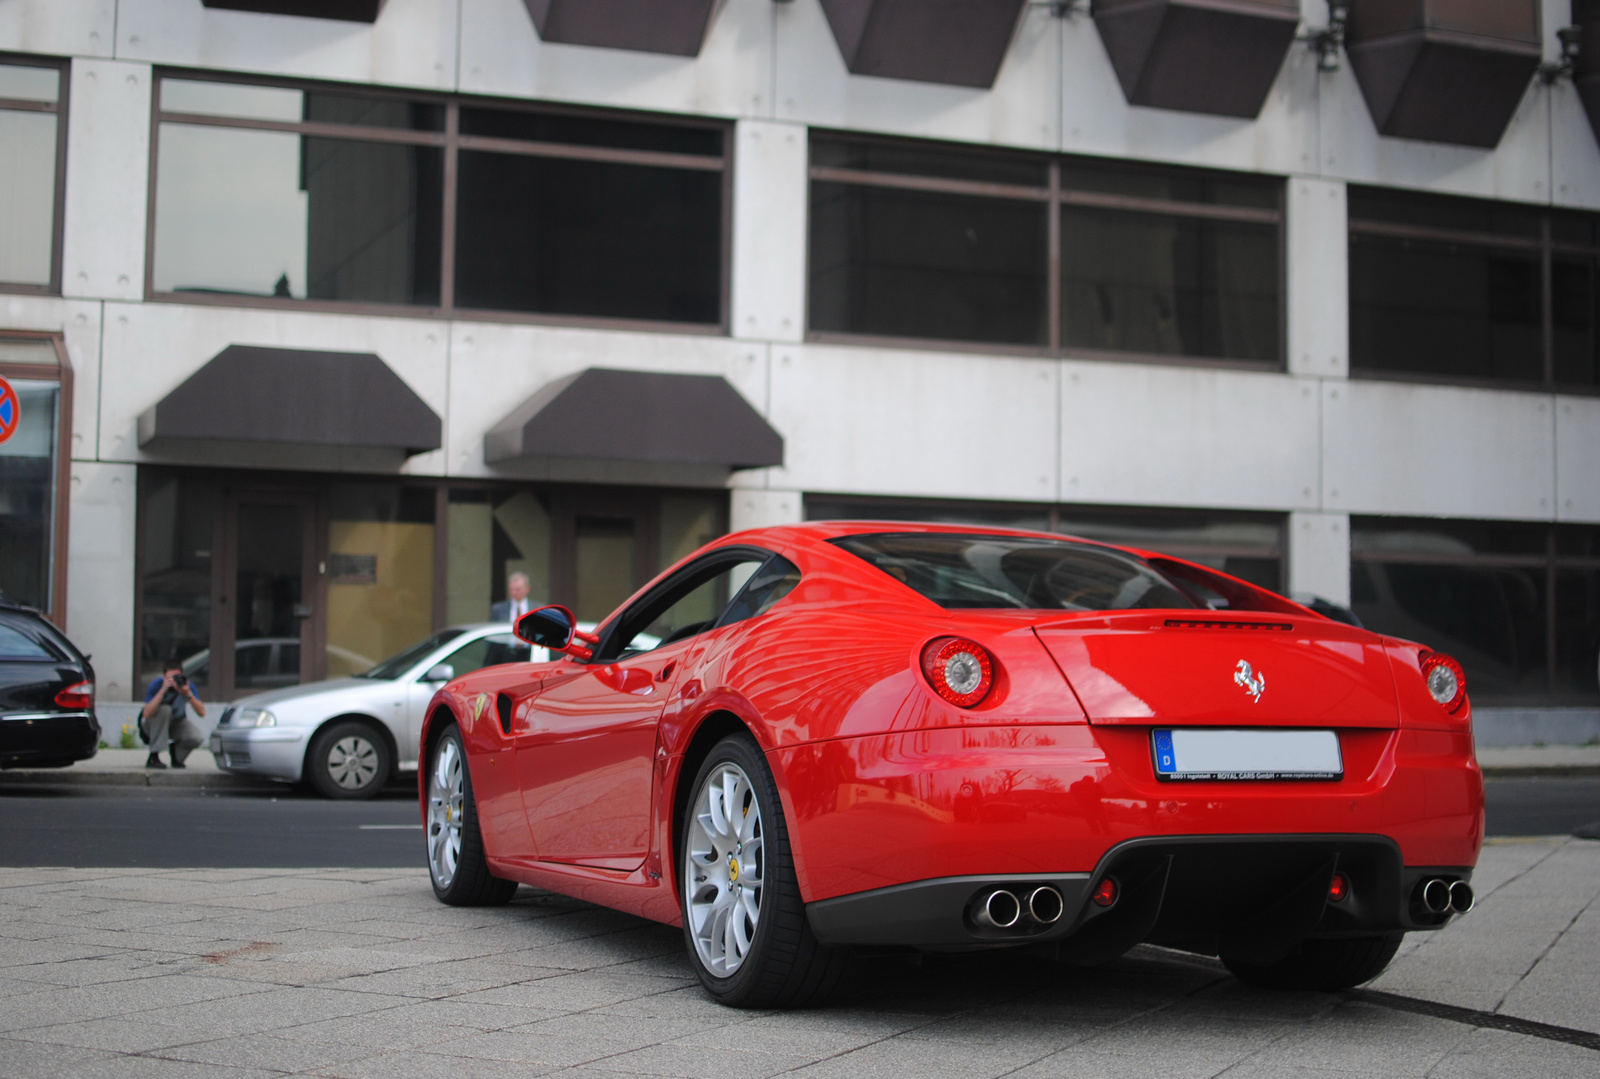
(14, 644)
(691, 608)
(774, 580)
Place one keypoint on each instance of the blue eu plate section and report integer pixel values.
(1249, 753)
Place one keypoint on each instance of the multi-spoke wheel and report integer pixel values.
(456, 861)
(743, 918)
(348, 760)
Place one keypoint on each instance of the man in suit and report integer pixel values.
(516, 604)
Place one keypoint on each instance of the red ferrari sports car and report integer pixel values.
(804, 741)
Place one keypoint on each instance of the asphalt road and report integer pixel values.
(281, 828)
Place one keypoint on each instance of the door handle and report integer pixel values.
(666, 672)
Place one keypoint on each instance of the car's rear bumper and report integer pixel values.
(1240, 895)
(47, 739)
(274, 752)
(887, 810)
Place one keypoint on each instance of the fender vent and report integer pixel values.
(1184, 623)
(502, 707)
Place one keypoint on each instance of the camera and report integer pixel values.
(180, 680)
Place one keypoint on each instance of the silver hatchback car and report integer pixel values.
(348, 737)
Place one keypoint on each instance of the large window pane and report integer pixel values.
(1177, 185)
(289, 105)
(1574, 306)
(591, 131)
(265, 213)
(566, 237)
(176, 522)
(494, 534)
(28, 496)
(917, 159)
(27, 193)
(1437, 308)
(380, 573)
(1577, 612)
(1172, 285)
(931, 265)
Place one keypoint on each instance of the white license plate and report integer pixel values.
(1246, 754)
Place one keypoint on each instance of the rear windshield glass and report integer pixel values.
(1008, 571)
(14, 644)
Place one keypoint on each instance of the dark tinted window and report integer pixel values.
(961, 571)
(922, 159)
(774, 580)
(1177, 185)
(15, 644)
(589, 131)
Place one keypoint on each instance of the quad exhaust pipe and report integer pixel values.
(1002, 908)
(1440, 896)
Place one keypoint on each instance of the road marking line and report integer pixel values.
(390, 827)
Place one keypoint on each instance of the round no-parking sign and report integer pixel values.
(10, 410)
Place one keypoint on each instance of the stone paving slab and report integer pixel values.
(228, 974)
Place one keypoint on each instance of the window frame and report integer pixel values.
(58, 207)
(449, 142)
(1552, 560)
(1544, 246)
(61, 374)
(1054, 196)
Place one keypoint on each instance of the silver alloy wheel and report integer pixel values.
(445, 800)
(353, 761)
(724, 869)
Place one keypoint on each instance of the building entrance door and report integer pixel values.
(263, 634)
(603, 548)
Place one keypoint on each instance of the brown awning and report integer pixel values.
(603, 414)
(250, 394)
(344, 10)
(674, 27)
(1213, 56)
(1444, 70)
(958, 42)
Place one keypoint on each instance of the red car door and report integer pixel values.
(587, 757)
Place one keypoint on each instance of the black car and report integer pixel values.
(46, 694)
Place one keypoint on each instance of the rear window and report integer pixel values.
(965, 571)
(15, 644)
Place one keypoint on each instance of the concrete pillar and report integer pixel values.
(1318, 278)
(769, 230)
(108, 135)
(756, 508)
(1319, 555)
(101, 576)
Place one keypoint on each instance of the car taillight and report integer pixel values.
(959, 670)
(78, 696)
(1446, 681)
(1338, 888)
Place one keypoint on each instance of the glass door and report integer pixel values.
(262, 613)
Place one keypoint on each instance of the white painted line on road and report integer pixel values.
(390, 827)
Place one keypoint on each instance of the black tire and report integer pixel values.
(1321, 964)
(348, 760)
(784, 966)
(470, 884)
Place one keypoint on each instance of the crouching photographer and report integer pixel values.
(166, 716)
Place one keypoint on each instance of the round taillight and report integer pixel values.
(1105, 893)
(1446, 681)
(959, 670)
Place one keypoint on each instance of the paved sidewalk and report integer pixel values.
(346, 973)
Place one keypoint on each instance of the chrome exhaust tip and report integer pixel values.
(1435, 896)
(999, 909)
(1045, 905)
(1461, 897)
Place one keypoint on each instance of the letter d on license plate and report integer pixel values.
(1252, 753)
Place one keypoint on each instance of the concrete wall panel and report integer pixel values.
(83, 28)
(1141, 434)
(101, 588)
(413, 43)
(108, 160)
(517, 360)
(1319, 555)
(880, 421)
(770, 191)
(814, 87)
(1578, 459)
(1318, 277)
(151, 348)
(501, 54)
(763, 509)
(1437, 451)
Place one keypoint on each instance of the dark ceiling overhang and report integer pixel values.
(647, 416)
(343, 10)
(674, 27)
(1212, 56)
(1586, 73)
(246, 393)
(957, 42)
(1444, 70)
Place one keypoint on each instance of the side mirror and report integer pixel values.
(439, 672)
(555, 628)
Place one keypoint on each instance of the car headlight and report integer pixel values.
(255, 717)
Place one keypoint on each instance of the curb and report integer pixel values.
(66, 777)
(1532, 771)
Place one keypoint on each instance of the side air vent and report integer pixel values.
(1186, 623)
(502, 707)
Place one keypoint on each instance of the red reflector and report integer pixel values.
(1338, 888)
(78, 696)
(1105, 893)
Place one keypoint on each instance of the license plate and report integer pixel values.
(1189, 754)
